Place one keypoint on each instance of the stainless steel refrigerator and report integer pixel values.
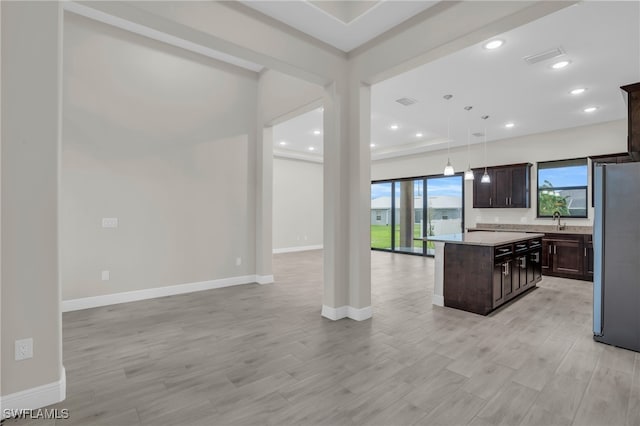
(616, 244)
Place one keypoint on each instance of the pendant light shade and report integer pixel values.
(448, 169)
(468, 175)
(485, 177)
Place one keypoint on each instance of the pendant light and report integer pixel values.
(448, 169)
(468, 175)
(485, 177)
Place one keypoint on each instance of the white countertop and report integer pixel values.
(484, 238)
(547, 229)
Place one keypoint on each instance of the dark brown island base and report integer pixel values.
(484, 270)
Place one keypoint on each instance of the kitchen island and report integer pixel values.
(480, 271)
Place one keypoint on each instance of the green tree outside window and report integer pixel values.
(551, 202)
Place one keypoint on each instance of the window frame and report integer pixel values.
(564, 188)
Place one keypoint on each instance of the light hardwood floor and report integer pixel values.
(264, 355)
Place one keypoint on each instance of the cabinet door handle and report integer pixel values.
(490, 203)
(554, 250)
(509, 200)
(536, 257)
(585, 252)
(506, 200)
(506, 269)
(523, 262)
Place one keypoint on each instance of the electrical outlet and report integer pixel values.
(105, 275)
(24, 349)
(109, 222)
(238, 261)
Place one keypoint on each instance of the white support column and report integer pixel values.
(359, 167)
(347, 263)
(335, 298)
(264, 195)
(438, 277)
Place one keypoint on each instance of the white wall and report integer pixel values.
(297, 204)
(29, 151)
(605, 138)
(158, 138)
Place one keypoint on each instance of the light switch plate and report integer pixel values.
(24, 349)
(109, 222)
(105, 275)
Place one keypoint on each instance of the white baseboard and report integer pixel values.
(438, 300)
(294, 249)
(264, 279)
(152, 293)
(335, 313)
(34, 398)
(358, 314)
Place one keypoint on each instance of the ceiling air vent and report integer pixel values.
(478, 134)
(539, 57)
(406, 101)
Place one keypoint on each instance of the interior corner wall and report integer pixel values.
(603, 138)
(297, 204)
(160, 139)
(29, 153)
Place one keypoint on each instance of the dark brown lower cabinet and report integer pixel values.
(568, 256)
(481, 278)
(588, 256)
(520, 272)
(534, 268)
(502, 282)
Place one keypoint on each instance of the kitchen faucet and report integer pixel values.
(557, 215)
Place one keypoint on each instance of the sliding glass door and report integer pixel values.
(444, 207)
(381, 226)
(406, 211)
(408, 218)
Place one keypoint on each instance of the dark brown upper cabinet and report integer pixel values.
(509, 187)
(632, 92)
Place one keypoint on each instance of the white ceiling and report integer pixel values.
(601, 39)
(342, 24)
(294, 138)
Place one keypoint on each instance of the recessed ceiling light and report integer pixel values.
(509, 125)
(372, 145)
(590, 109)
(316, 132)
(578, 91)
(493, 44)
(419, 135)
(394, 127)
(282, 143)
(560, 65)
(311, 148)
